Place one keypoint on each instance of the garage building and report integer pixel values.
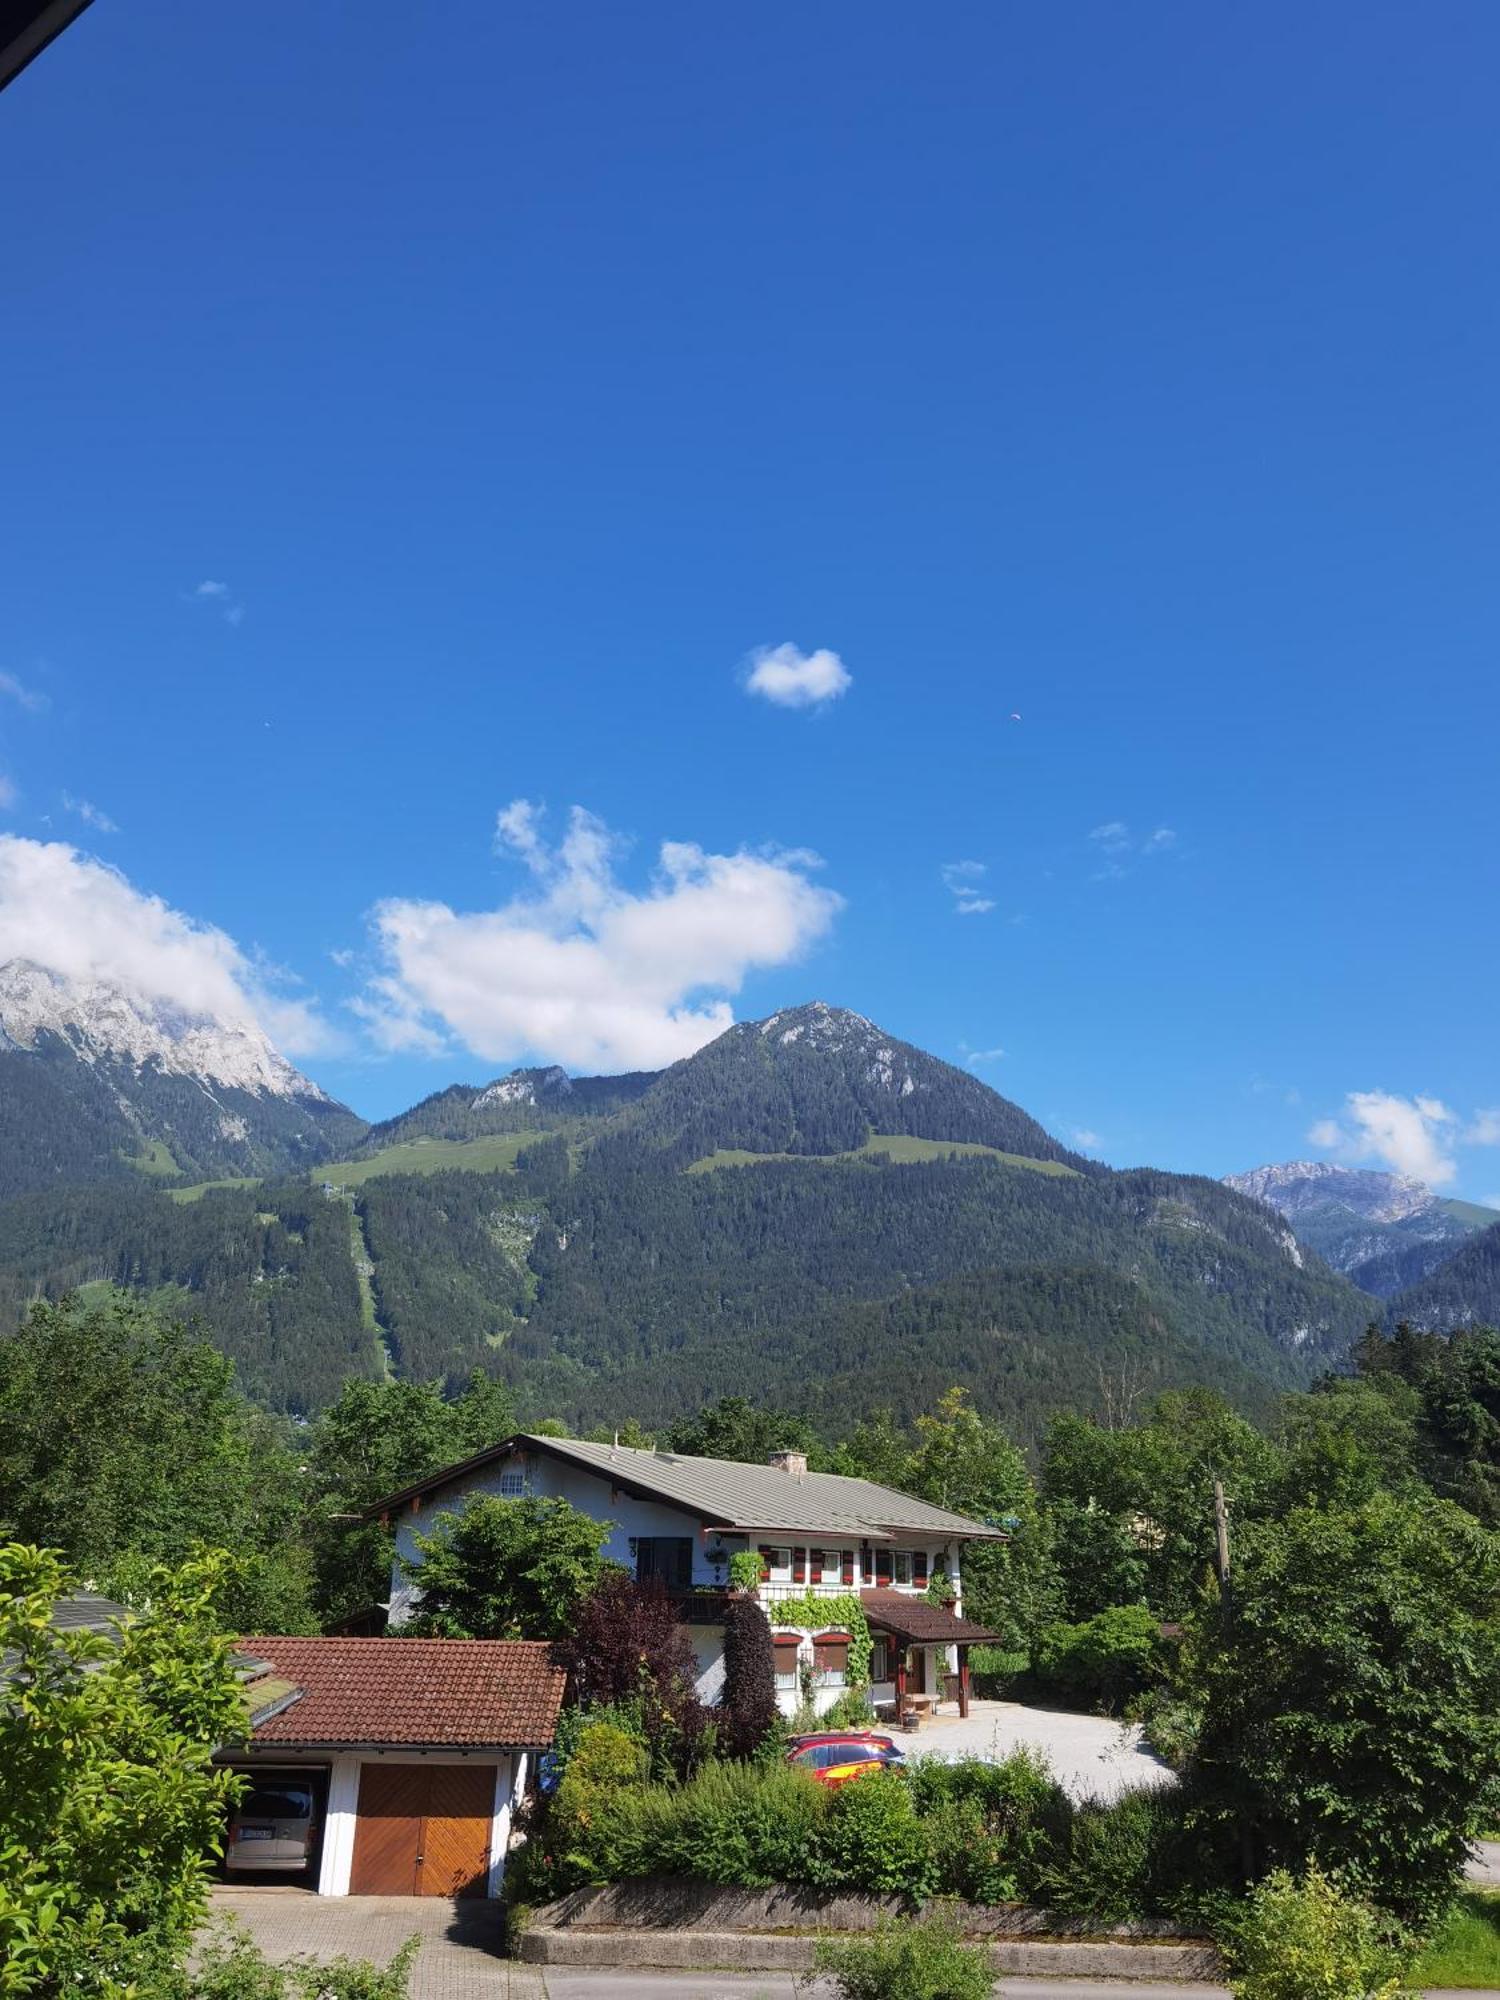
(418, 1751)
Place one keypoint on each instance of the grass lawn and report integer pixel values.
(900, 1148)
(1466, 1951)
(201, 1187)
(492, 1155)
(154, 1158)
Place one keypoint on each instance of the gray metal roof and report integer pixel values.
(731, 1494)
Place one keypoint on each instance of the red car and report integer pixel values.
(838, 1756)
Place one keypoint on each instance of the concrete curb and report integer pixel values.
(751, 1951)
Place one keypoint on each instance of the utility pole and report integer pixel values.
(1221, 1533)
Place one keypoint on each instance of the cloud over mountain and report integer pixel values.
(79, 918)
(580, 969)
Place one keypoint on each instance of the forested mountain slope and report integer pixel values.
(778, 1211)
(527, 1100)
(815, 1080)
(1463, 1291)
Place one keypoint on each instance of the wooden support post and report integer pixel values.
(963, 1681)
(900, 1682)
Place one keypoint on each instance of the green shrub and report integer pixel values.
(1170, 1723)
(576, 1842)
(740, 1824)
(1307, 1940)
(994, 1671)
(232, 1967)
(1102, 1663)
(606, 1754)
(852, 1710)
(993, 1827)
(924, 1960)
(1119, 1860)
(874, 1840)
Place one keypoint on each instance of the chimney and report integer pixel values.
(794, 1462)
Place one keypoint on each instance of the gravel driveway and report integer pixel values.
(1090, 1756)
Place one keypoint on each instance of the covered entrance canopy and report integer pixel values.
(912, 1625)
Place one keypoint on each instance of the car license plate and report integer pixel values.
(257, 1833)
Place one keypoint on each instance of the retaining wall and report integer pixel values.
(674, 1923)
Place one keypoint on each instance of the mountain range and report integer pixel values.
(808, 1210)
(1386, 1233)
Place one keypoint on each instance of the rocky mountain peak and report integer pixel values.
(1303, 1185)
(101, 1022)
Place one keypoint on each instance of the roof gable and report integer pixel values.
(728, 1493)
(479, 1694)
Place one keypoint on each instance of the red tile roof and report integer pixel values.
(924, 1624)
(475, 1693)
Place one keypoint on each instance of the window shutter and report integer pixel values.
(882, 1566)
(799, 1565)
(765, 1565)
(919, 1569)
(831, 1653)
(848, 1567)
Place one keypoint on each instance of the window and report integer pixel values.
(830, 1567)
(512, 1485)
(669, 1557)
(903, 1566)
(880, 1660)
(831, 1659)
(778, 1562)
(785, 1649)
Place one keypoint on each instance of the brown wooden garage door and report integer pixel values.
(423, 1830)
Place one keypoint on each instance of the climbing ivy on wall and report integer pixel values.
(842, 1612)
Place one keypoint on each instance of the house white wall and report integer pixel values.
(630, 1518)
(548, 1478)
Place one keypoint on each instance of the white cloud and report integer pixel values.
(24, 697)
(1085, 1140)
(221, 597)
(1120, 846)
(977, 1058)
(963, 879)
(582, 970)
(1489, 1201)
(1410, 1135)
(89, 814)
(1483, 1129)
(83, 919)
(794, 679)
(9, 793)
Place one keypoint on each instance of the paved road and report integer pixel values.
(459, 1958)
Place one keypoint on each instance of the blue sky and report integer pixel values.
(521, 375)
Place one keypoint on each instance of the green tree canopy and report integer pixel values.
(109, 1802)
(507, 1569)
(125, 1442)
(1153, 1483)
(1350, 1686)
